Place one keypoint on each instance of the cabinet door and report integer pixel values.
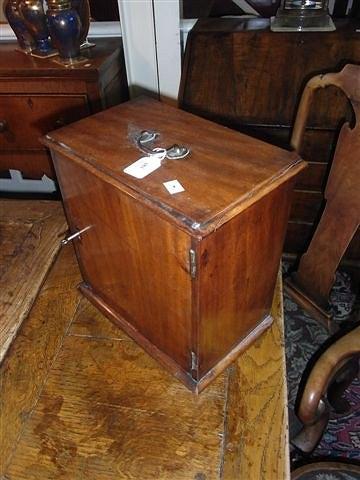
(135, 262)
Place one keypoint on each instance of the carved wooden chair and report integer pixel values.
(337, 364)
(322, 390)
(310, 285)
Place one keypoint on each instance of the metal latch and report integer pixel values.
(74, 235)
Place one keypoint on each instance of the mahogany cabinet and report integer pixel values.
(239, 73)
(38, 95)
(190, 275)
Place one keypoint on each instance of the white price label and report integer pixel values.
(143, 167)
(174, 186)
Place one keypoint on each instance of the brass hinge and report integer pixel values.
(192, 261)
(194, 361)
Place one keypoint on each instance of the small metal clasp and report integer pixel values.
(175, 152)
(74, 235)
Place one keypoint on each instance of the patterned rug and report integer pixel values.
(303, 337)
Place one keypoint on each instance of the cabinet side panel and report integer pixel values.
(238, 269)
(134, 261)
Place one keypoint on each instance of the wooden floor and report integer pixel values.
(29, 241)
(80, 400)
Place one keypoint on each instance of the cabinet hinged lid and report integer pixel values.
(225, 172)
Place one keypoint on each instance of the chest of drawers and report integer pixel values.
(38, 95)
(191, 275)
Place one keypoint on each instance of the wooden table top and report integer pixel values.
(82, 400)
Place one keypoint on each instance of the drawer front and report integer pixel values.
(32, 163)
(25, 118)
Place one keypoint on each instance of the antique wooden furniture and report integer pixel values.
(190, 276)
(327, 469)
(335, 368)
(241, 74)
(38, 95)
(80, 398)
(310, 285)
(29, 241)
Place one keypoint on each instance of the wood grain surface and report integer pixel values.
(136, 262)
(108, 411)
(15, 63)
(225, 172)
(240, 74)
(340, 220)
(39, 95)
(190, 276)
(25, 368)
(223, 78)
(256, 422)
(39, 113)
(236, 296)
(29, 241)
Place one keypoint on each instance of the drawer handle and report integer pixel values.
(3, 126)
(74, 235)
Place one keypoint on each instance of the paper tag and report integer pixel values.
(174, 186)
(143, 167)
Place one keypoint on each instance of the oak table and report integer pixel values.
(81, 400)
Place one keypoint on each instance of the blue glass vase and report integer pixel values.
(83, 9)
(65, 28)
(35, 21)
(14, 17)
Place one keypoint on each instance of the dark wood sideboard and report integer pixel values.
(239, 73)
(39, 95)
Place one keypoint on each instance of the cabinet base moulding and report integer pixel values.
(194, 385)
(240, 347)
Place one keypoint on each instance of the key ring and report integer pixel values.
(175, 152)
